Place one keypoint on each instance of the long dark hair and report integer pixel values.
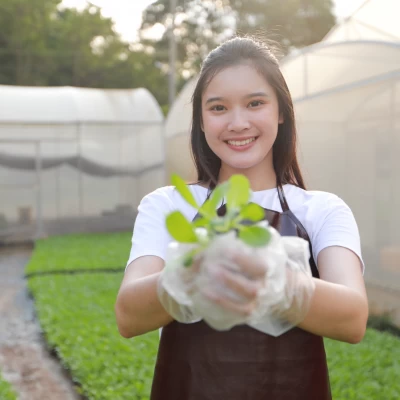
(242, 50)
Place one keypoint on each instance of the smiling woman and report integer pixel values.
(240, 121)
(241, 96)
(243, 123)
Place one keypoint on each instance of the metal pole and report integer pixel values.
(172, 54)
(39, 216)
(120, 177)
(305, 76)
(164, 143)
(393, 158)
(80, 177)
(58, 177)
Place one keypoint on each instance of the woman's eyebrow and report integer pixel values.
(248, 96)
(211, 99)
(256, 94)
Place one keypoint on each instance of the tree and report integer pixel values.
(23, 26)
(201, 25)
(42, 44)
(293, 23)
(86, 45)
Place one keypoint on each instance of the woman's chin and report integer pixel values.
(239, 166)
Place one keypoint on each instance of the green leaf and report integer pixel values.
(218, 194)
(238, 192)
(201, 223)
(209, 208)
(252, 212)
(254, 236)
(180, 228)
(183, 190)
(221, 224)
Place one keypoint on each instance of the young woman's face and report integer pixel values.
(240, 118)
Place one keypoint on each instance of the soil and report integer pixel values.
(25, 360)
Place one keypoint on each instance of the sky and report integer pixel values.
(127, 14)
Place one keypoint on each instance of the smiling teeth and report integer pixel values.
(242, 142)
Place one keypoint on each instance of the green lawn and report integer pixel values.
(74, 252)
(367, 371)
(77, 314)
(6, 392)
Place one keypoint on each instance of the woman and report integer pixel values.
(243, 122)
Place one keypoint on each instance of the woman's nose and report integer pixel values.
(239, 121)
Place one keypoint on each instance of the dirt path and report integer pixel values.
(24, 360)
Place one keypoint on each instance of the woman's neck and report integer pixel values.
(259, 179)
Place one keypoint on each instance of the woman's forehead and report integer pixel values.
(240, 80)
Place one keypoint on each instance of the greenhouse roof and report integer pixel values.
(63, 105)
(374, 20)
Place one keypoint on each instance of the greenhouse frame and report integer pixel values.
(75, 159)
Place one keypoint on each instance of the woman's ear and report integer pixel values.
(281, 119)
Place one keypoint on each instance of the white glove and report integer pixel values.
(285, 289)
(207, 281)
(271, 282)
(174, 283)
(293, 302)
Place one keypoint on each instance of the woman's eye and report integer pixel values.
(255, 103)
(218, 108)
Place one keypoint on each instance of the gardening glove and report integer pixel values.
(174, 283)
(269, 288)
(232, 279)
(293, 301)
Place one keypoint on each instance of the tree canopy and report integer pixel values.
(43, 44)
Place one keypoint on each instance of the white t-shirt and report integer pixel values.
(326, 218)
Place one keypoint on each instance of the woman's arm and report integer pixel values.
(339, 307)
(137, 307)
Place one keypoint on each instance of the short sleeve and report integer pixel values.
(150, 236)
(336, 226)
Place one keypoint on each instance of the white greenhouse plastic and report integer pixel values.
(177, 129)
(76, 159)
(374, 20)
(346, 91)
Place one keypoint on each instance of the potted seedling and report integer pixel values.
(210, 239)
(203, 248)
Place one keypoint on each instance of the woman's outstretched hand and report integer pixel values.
(230, 283)
(268, 288)
(236, 288)
(231, 276)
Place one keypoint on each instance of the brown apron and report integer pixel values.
(196, 362)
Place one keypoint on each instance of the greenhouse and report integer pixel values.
(346, 91)
(74, 159)
(177, 140)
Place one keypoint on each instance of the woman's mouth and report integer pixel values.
(240, 145)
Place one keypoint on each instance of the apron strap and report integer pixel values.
(282, 198)
(300, 228)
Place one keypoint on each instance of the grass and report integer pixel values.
(368, 370)
(6, 391)
(80, 251)
(76, 313)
